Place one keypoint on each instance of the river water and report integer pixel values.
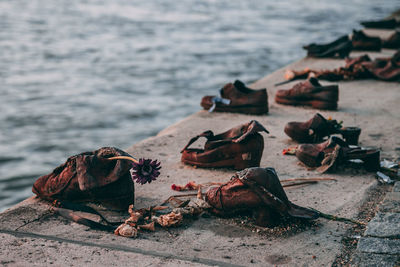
(79, 75)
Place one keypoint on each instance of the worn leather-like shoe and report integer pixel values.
(310, 93)
(258, 190)
(381, 24)
(388, 70)
(393, 42)
(239, 148)
(339, 48)
(334, 152)
(361, 41)
(237, 98)
(90, 177)
(315, 129)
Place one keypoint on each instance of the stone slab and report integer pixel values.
(391, 203)
(384, 225)
(379, 245)
(396, 187)
(371, 259)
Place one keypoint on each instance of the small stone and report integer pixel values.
(396, 187)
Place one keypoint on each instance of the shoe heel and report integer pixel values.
(350, 134)
(372, 161)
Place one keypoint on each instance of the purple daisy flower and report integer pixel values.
(145, 170)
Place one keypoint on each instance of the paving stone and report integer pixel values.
(391, 203)
(370, 259)
(396, 187)
(384, 225)
(379, 245)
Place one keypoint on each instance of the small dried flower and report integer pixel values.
(289, 150)
(145, 170)
(126, 230)
(170, 219)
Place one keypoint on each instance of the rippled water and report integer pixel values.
(79, 75)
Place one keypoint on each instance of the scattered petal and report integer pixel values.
(170, 219)
(126, 230)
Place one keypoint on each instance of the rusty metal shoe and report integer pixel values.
(361, 41)
(239, 148)
(381, 24)
(315, 129)
(90, 177)
(387, 71)
(393, 42)
(258, 190)
(339, 48)
(310, 93)
(333, 152)
(237, 98)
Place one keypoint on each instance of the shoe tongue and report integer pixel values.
(314, 81)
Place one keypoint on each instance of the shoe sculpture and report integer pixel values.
(239, 148)
(338, 48)
(361, 41)
(315, 129)
(393, 42)
(386, 69)
(310, 93)
(333, 152)
(381, 24)
(237, 98)
(90, 177)
(258, 190)
(362, 67)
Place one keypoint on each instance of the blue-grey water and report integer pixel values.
(79, 75)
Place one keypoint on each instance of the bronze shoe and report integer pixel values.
(388, 70)
(237, 98)
(90, 177)
(339, 48)
(393, 42)
(334, 152)
(310, 93)
(315, 129)
(258, 190)
(239, 148)
(381, 24)
(361, 41)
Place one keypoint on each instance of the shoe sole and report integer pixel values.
(237, 163)
(254, 110)
(317, 104)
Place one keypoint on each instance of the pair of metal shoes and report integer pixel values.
(328, 154)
